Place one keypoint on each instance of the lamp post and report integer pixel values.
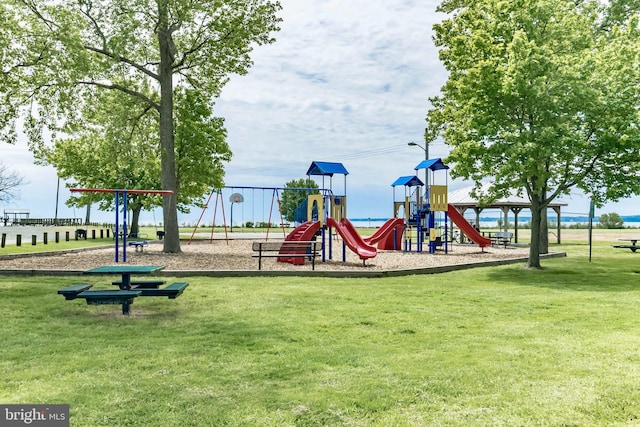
(426, 157)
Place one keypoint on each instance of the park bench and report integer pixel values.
(501, 238)
(287, 250)
(71, 292)
(111, 297)
(138, 244)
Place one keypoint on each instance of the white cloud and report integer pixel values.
(346, 81)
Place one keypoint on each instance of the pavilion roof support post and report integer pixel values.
(557, 211)
(505, 215)
(516, 212)
(478, 211)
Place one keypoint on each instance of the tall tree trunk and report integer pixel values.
(134, 229)
(87, 218)
(534, 247)
(168, 175)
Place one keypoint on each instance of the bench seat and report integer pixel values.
(110, 297)
(287, 251)
(139, 245)
(71, 292)
(173, 291)
(142, 284)
(632, 247)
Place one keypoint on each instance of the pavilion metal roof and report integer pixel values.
(463, 198)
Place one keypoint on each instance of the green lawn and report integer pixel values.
(491, 346)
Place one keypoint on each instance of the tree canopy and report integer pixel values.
(610, 220)
(295, 193)
(542, 96)
(60, 56)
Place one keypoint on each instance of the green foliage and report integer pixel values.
(610, 220)
(542, 96)
(164, 61)
(291, 198)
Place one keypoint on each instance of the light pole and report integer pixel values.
(426, 157)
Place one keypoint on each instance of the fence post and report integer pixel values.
(33, 239)
(45, 237)
(57, 237)
(4, 239)
(66, 235)
(93, 234)
(18, 239)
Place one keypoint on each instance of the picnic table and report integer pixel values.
(125, 271)
(128, 289)
(633, 246)
(499, 237)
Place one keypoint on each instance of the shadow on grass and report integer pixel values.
(575, 274)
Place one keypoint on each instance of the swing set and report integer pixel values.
(275, 196)
(238, 198)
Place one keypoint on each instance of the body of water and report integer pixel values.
(492, 222)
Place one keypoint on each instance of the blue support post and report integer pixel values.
(116, 238)
(124, 227)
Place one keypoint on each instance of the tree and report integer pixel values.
(611, 220)
(129, 142)
(9, 182)
(295, 193)
(542, 96)
(59, 55)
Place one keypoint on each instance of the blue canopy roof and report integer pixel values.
(326, 168)
(409, 181)
(433, 164)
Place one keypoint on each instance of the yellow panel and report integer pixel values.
(339, 207)
(432, 234)
(439, 200)
(315, 213)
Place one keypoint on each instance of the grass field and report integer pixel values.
(493, 346)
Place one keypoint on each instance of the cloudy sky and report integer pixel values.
(346, 81)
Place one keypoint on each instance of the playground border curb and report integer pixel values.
(300, 273)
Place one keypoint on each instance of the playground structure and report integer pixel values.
(327, 212)
(422, 214)
(324, 216)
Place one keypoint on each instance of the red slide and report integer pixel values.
(302, 233)
(383, 238)
(467, 228)
(351, 237)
